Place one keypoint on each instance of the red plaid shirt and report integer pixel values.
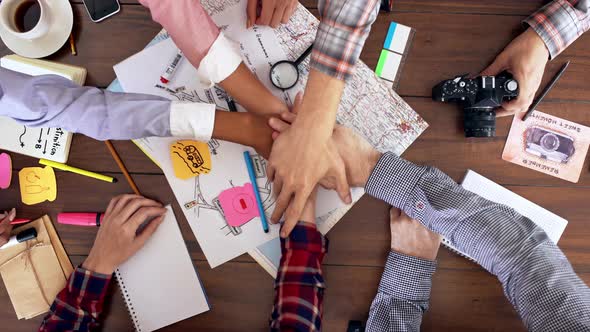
(77, 307)
(560, 23)
(299, 284)
(299, 287)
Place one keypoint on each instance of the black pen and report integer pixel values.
(546, 91)
(231, 104)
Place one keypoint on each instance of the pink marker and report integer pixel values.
(20, 221)
(80, 219)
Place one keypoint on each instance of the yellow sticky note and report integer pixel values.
(190, 159)
(37, 185)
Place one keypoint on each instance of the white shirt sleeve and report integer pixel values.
(194, 120)
(221, 61)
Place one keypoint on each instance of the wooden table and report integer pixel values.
(452, 37)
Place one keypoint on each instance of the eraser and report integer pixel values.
(397, 37)
(388, 65)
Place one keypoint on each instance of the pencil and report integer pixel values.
(73, 44)
(546, 90)
(77, 170)
(122, 167)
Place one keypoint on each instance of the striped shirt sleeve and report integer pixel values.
(536, 276)
(560, 23)
(299, 286)
(344, 27)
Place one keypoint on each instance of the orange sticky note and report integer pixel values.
(190, 159)
(37, 185)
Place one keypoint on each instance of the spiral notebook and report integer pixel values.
(159, 283)
(551, 223)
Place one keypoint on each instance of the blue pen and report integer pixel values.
(256, 193)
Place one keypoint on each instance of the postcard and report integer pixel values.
(549, 145)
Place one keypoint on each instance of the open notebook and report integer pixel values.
(159, 283)
(48, 143)
(551, 223)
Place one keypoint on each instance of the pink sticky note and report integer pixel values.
(239, 205)
(5, 171)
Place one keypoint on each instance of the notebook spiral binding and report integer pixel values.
(128, 302)
(452, 248)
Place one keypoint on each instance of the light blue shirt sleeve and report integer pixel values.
(53, 101)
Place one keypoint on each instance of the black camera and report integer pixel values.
(480, 97)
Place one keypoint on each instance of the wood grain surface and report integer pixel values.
(452, 37)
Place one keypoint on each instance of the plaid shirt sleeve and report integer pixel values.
(77, 307)
(560, 23)
(299, 287)
(403, 295)
(344, 27)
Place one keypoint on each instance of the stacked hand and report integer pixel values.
(272, 12)
(525, 58)
(120, 236)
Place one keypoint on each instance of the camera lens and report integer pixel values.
(549, 142)
(480, 122)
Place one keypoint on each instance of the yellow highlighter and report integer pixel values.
(67, 168)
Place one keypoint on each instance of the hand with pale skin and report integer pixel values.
(118, 238)
(301, 156)
(411, 238)
(272, 12)
(525, 58)
(6, 227)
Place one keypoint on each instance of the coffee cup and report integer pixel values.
(18, 18)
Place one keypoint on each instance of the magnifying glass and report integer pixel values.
(284, 74)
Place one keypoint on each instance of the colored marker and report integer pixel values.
(256, 192)
(171, 69)
(27, 234)
(80, 219)
(76, 170)
(20, 221)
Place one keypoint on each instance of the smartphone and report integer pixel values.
(101, 9)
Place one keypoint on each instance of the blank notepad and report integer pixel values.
(551, 223)
(159, 283)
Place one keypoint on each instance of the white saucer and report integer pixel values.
(62, 21)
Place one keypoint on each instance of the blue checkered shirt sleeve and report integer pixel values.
(403, 294)
(536, 276)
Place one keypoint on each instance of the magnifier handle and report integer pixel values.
(304, 55)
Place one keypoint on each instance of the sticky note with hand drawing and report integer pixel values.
(190, 159)
(37, 185)
(239, 205)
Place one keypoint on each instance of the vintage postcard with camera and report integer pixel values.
(549, 145)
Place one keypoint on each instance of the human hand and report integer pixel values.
(272, 12)
(118, 238)
(259, 133)
(409, 237)
(6, 227)
(525, 58)
(300, 157)
(358, 155)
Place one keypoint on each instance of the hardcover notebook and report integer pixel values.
(48, 143)
(551, 223)
(159, 283)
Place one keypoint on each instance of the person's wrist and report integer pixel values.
(369, 164)
(98, 266)
(536, 42)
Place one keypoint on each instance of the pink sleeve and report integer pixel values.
(189, 25)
